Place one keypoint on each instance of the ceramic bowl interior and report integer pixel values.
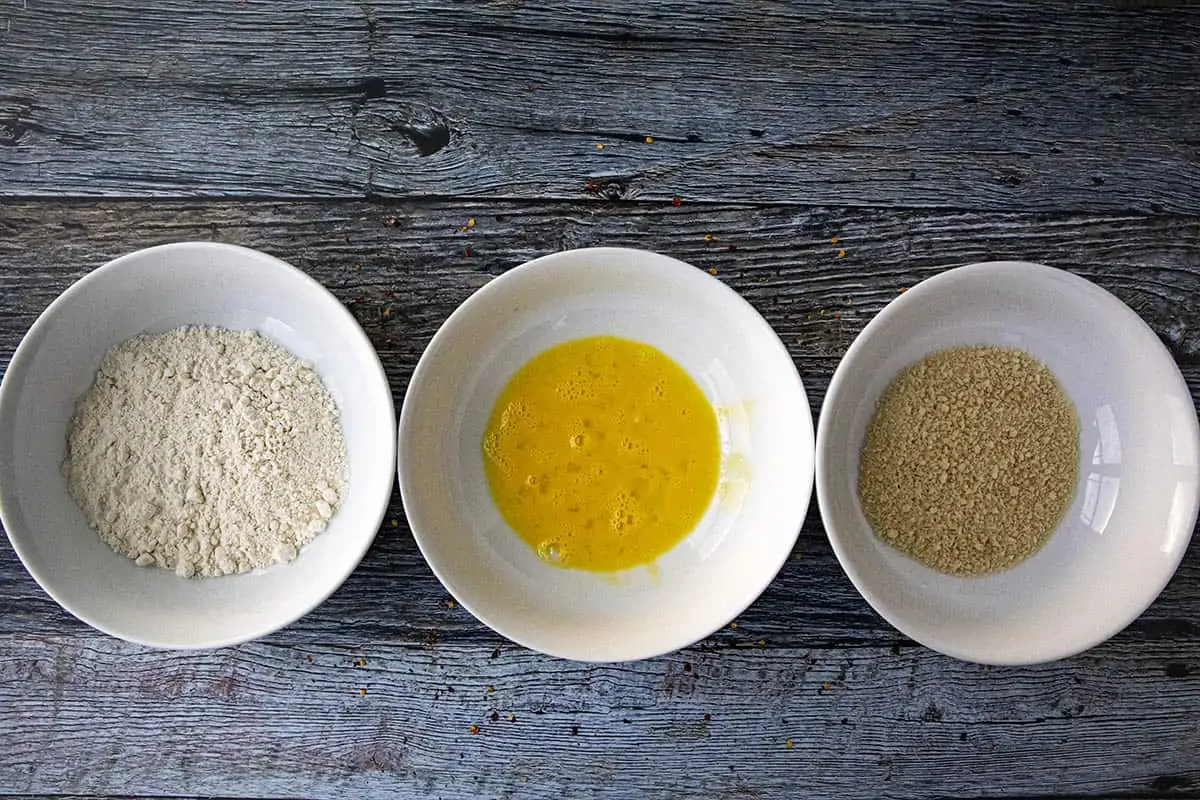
(152, 291)
(766, 439)
(1135, 504)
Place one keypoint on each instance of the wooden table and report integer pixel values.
(819, 157)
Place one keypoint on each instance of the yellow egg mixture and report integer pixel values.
(602, 454)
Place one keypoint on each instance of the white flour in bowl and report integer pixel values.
(206, 451)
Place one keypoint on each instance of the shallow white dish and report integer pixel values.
(1134, 508)
(151, 291)
(711, 576)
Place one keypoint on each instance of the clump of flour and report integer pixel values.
(206, 451)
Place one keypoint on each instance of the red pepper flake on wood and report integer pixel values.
(474, 729)
(712, 270)
(677, 201)
(841, 253)
(467, 252)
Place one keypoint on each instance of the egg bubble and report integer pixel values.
(513, 413)
(551, 551)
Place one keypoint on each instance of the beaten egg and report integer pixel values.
(601, 454)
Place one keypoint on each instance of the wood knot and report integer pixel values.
(372, 88)
(11, 131)
(1009, 179)
(378, 757)
(14, 123)
(1177, 670)
(608, 188)
(428, 136)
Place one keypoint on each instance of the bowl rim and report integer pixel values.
(19, 364)
(1108, 305)
(425, 367)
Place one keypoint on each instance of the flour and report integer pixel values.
(206, 451)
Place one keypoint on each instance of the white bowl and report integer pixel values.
(152, 291)
(1134, 508)
(735, 550)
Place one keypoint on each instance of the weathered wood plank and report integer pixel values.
(90, 714)
(988, 105)
(410, 260)
(85, 714)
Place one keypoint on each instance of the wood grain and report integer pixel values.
(84, 714)
(986, 105)
(92, 714)
(355, 138)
